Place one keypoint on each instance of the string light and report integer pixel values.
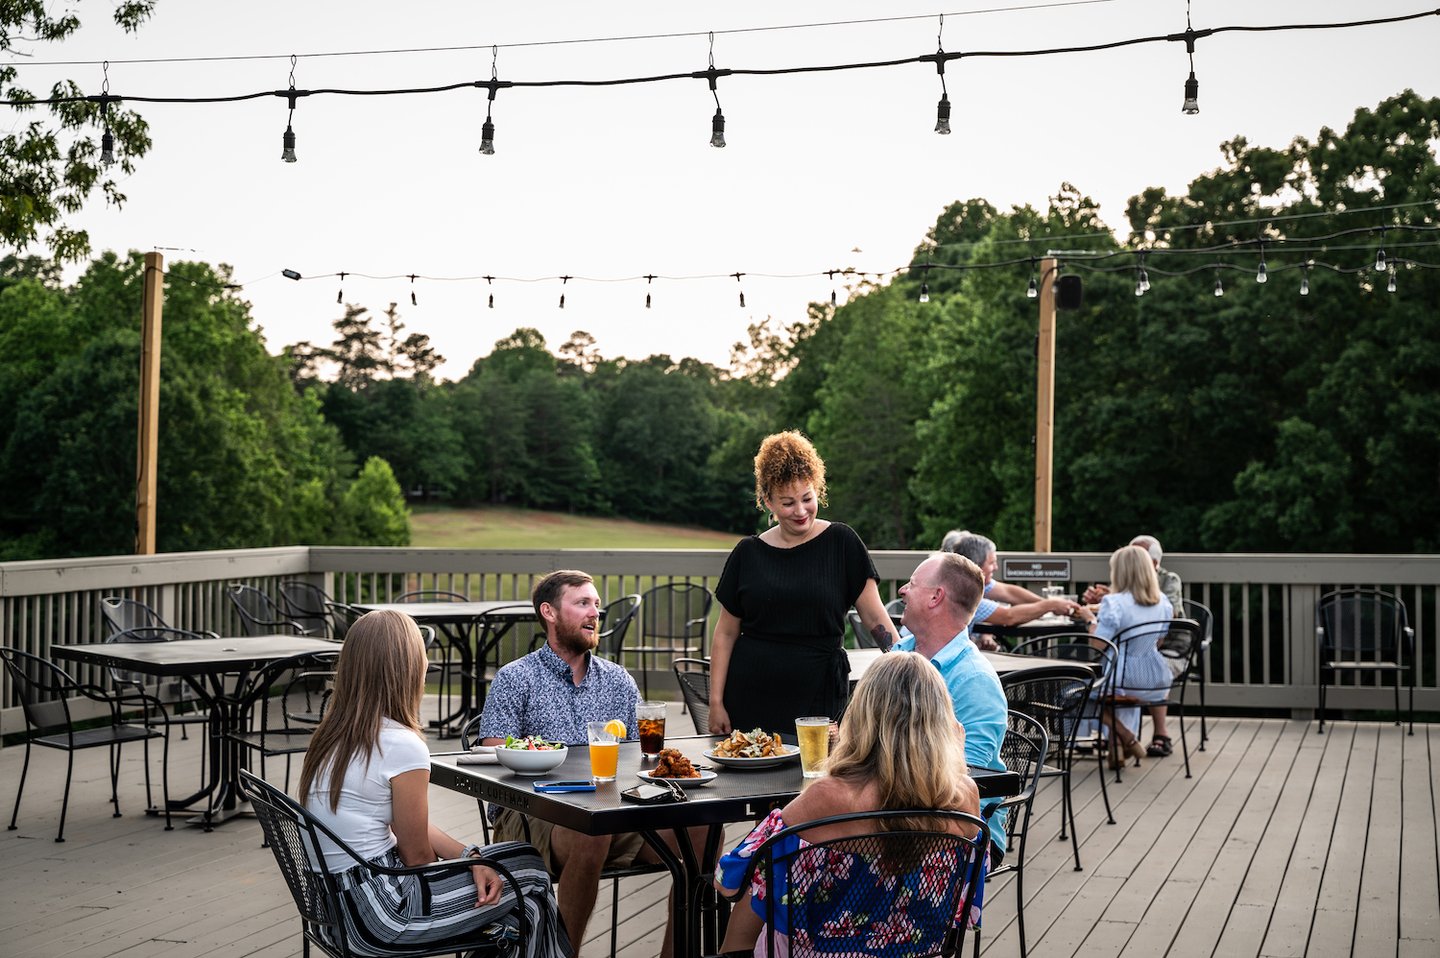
(412, 290)
(1262, 275)
(649, 278)
(1390, 286)
(742, 289)
(1191, 104)
(487, 129)
(1380, 253)
(564, 281)
(942, 112)
(1305, 278)
(1033, 290)
(287, 151)
(717, 123)
(340, 296)
(1219, 286)
(490, 281)
(107, 139)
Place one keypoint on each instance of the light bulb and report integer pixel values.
(1390, 286)
(412, 298)
(742, 299)
(288, 153)
(1192, 96)
(1380, 260)
(562, 300)
(1305, 283)
(491, 302)
(1144, 279)
(924, 292)
(487, 137)
(942, 115)
(107, 149)
(1219, 287)
(717, 130)
(1032, 290)
(1139, 288)
(832, 297)
(1262, 275)
(647, 300)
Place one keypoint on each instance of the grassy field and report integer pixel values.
(496, 527)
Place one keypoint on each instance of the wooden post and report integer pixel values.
(147, 454)
(1045, 404)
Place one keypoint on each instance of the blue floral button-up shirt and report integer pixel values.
(537, 695)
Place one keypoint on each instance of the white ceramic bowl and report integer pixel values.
(526, 762)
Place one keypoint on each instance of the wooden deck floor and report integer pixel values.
(1285, 843)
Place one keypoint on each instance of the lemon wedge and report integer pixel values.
(616, 728)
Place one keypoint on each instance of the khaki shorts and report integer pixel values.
(511, 826)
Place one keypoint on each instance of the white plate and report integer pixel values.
(791, 752)
(705, 779)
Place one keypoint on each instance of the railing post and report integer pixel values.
(1302, 654)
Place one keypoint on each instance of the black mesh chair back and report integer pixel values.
(1178, 640)
(673, 617)
(617, 619)
(125, 678)
(1023, 751)
(304, 683)
(1364, 631)
(927, 879)
(293, 836)
(259, 615)
(308, 605)
(122, 615)
(45, 691)
(341, 617)
(1060, 701)
(863, 639)
(693, 676)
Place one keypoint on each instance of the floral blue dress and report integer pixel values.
(914, 917)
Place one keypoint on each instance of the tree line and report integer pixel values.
(1262, 420)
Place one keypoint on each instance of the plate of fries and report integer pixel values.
(753, 749)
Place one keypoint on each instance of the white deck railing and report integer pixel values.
(1263, 655)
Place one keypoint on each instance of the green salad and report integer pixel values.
(531, 743)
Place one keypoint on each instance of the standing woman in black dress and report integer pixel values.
(777, 652)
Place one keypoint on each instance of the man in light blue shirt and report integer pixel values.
(940, 598)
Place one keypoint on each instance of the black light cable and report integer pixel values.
(942, 111)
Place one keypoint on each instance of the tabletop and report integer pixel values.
(1005, 664)
(517, 609)
(195, 656)
(735, 794)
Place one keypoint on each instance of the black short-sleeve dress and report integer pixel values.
(789, 659)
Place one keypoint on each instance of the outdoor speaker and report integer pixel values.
(1067, 292)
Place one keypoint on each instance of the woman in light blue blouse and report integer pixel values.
(1139, 669)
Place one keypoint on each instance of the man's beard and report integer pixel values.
(575, 641)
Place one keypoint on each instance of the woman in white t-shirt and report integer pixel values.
(379, 806)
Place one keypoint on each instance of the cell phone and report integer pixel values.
(647, 794)
(579, 785)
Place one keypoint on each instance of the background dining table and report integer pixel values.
(217, 670)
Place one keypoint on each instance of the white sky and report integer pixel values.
(617, 182)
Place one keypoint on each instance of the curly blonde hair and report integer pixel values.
(786, 458)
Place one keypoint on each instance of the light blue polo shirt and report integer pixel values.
(980, 706)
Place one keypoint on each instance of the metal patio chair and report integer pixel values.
(1365, 631)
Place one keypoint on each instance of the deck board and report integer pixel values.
(1284, 843)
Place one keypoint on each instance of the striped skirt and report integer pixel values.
(389, 911)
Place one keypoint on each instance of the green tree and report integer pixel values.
(51, 166)
(374, 509)
(244, 460)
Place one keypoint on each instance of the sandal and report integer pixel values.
(1159, 747)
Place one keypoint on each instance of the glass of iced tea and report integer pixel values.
(813, 733)
(650, 716)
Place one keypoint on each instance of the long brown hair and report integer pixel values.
(380, 674)
(900, 735)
